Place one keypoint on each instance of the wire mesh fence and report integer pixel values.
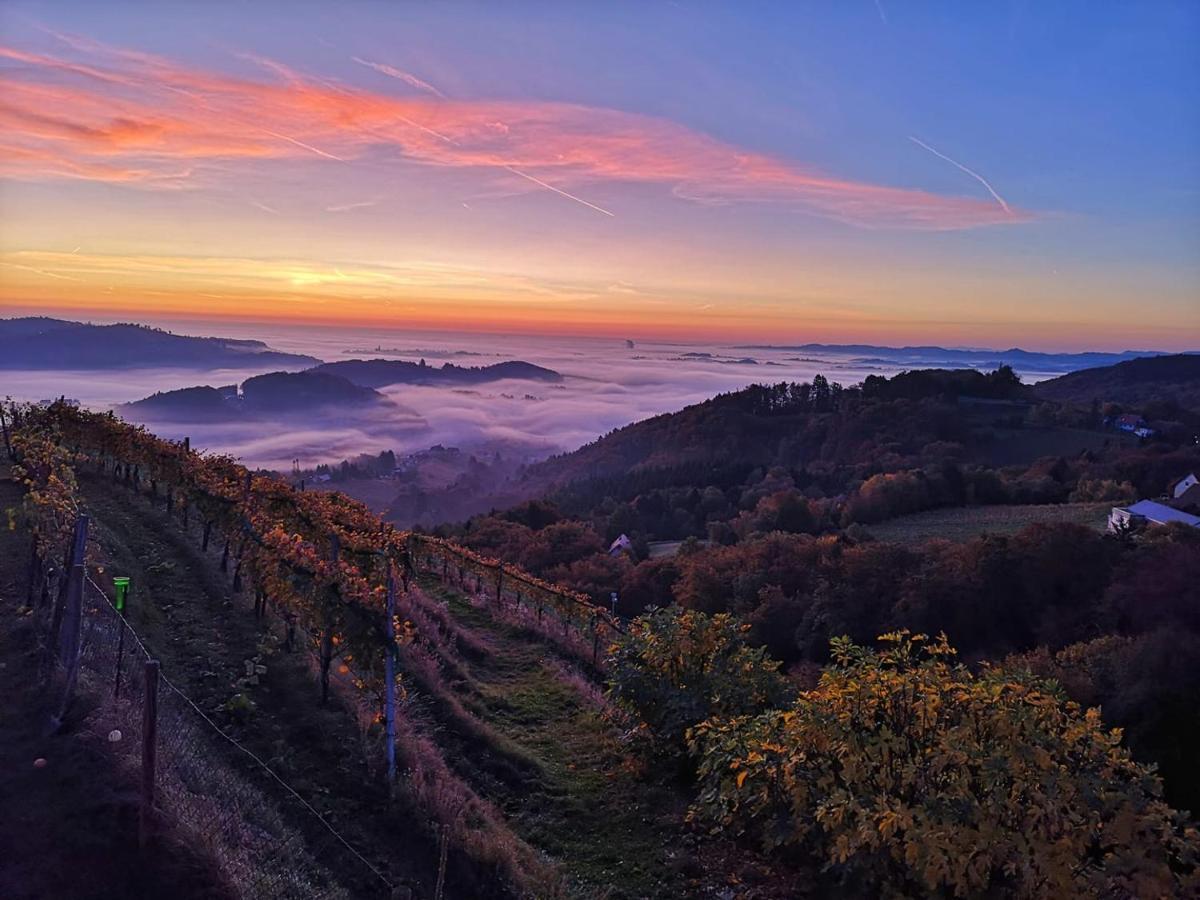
(222, 796)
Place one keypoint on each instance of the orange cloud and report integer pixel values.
(136, 118)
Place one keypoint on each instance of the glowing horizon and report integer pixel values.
(402, 169)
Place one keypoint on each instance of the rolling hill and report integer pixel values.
(377, 373)
(1136, 382)
(43, 343)
(262, 397)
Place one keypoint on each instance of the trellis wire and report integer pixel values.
(212, 798)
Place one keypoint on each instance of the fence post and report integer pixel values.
(499, 586)
(4, 428)
(69, 644)
(75, 557)
(120, 654)
(35, 569)
(442, 853)
(149, 752)
(389, 669)
(326, 660)
(595, 639)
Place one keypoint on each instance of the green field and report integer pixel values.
(961, 523)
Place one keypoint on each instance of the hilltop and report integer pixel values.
(44, 343)
(264, 396)
(377, 373)
(1136, 382)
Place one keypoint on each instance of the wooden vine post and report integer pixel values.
(149, 753)
(389, 675)
(595, 639)
(4, 428)
(327, 632)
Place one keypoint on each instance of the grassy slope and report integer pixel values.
(184, 610)
(613, 834)
(69, 829)
(962, 523)
(579, 802)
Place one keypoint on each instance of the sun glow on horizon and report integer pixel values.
(469, 191)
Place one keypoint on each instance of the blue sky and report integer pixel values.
(1081, 117)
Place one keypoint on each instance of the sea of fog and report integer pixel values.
(606, 384)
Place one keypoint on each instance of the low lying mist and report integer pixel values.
(606, 384)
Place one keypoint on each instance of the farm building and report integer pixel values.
(1183, 485)
(1129, 422)
(621, 545)
(1151, 512)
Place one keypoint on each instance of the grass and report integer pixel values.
(612, 834)
(1021, 446)
(69, 828)
(184, 609)
(961, 523)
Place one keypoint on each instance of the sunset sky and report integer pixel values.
(984, 174)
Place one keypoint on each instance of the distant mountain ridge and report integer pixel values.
(39, 342)
(376, 373)
(933, 356)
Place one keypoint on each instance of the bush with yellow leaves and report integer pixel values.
(905, 774)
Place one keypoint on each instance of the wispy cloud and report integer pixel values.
(346, 207)
(407, 77)
(991, 190)
(129, 117)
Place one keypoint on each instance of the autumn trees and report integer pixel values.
(906, 774)
(676, 668)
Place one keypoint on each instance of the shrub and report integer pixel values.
(907, 775)
(677, 667)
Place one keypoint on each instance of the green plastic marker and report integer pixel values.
(121, 583)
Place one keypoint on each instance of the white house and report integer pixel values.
(621, 545)
(1150, 512)
(1181, 486)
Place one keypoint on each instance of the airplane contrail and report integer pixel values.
(45, 272)
(551, 187)
(882, 14)
(346, 207)
(426, 86)
(284, 137)
(407, 77)
(991, 190)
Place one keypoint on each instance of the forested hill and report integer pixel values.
(375, 373)
(262, 397)
(45, 343)
(1159, 379)
(796, 424)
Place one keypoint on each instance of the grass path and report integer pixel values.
(613, 834)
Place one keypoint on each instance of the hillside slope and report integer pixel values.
(262, 397)
(1174, 379)
(45, 343)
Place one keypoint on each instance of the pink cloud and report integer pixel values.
(135, 118)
